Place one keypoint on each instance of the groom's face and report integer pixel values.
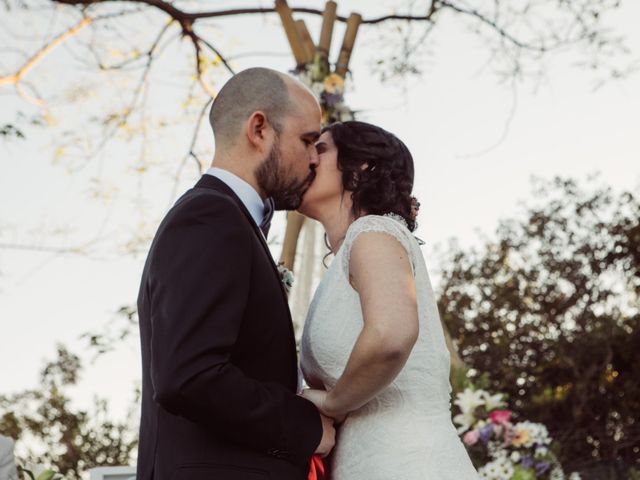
(289, 168)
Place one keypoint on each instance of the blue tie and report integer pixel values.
(269, 207)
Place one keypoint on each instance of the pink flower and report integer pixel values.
(499, 417)
(471, 438)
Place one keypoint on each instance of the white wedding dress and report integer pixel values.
(406, 431)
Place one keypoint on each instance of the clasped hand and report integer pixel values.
(322, 400)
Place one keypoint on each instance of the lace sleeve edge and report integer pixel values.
(376, 224)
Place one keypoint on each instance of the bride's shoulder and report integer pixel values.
(389, 223)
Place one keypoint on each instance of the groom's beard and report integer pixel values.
(278, 183)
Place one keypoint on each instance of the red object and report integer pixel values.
(500, 416)
(316, 469)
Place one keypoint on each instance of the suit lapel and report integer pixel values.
(214, 183)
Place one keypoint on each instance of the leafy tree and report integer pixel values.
(549, 311)
(51, 432)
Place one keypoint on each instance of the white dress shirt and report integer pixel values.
(245, 192)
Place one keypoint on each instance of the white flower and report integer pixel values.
(496, 449)
(493, 401)
(575, 476)
(533, 433)
(469, 400)
(556, 474)
(37, 470)
(499, 469)
(515, 457)
(541, 451)
(465, 420)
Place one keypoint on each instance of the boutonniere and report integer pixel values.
(286, 277)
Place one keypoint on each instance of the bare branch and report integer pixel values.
(40, 248)
(183, 16)
(191, 153)
(505, 129)
(34, 100)
(142, 84)
(149, 53)
(196, 40)
(491, 23)
(217, 52)
(198, 56)
(33, 61)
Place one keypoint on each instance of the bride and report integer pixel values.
(373, 350)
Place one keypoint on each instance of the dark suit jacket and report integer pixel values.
(219, 363)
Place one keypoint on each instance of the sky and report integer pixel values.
(476, 145)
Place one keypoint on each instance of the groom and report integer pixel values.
(219, 362)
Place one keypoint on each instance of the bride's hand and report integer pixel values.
(317, 397)
(320, 399)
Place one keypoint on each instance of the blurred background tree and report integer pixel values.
(53, 433)
(549, 311)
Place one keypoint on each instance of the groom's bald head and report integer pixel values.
(254, 89)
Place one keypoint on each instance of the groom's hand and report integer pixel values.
(328, 440)
(319, 399)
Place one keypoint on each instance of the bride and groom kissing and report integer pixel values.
(220, 396)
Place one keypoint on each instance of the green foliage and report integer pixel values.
(51, 432)
(520, 473)
(122, 328)
(549, 310)
(29, 475)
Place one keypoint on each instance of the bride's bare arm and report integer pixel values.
(381, 273)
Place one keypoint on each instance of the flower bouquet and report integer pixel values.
(500, 448)
(328, 89)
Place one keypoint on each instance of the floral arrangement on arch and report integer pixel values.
(500, 448)
(328, 89)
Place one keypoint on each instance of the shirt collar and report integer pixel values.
(245, 192)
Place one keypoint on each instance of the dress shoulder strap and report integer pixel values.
(390, 224)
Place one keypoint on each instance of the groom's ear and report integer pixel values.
(258, 129)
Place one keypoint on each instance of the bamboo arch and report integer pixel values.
(308, 55)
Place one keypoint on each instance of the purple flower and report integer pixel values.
(527, 462)
(542, 467)
(485, 433)
(331, 99)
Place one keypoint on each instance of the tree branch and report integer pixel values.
(39, 248)
(33, 61)
(487, 21)
(150, 51)
(188, 32)
(183, 16)
(191, 153)
(217, 52)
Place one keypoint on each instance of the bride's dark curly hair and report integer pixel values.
(377, 168)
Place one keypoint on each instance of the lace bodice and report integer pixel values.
(379, 224)
(408, 422)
